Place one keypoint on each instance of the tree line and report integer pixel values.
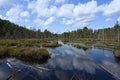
(106, 33)
(10, 30)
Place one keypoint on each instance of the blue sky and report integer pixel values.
(59, 16)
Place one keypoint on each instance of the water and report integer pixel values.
(66, 63)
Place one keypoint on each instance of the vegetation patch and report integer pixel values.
(51, 44)
(81, 46)
(117, 53)
(27, 53)
(27, 49)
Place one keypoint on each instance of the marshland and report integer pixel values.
(31, 49)
(61, 56)
(60, 40)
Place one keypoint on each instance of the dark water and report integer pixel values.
(66, 63)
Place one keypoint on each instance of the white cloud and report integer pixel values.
(77, 15)
(14, 13)
(118, 20)
(2, 17)
(79, 22)
(49, 21)
(25, 14)
(4, 3)
(68, 22)
(71, 12)
(65, 10)
(41, 8)
(82, 14)
(85, 9)
(39, 22)
(60, 1)
(26, 20)
(44, 23)
(108, 20)
(112, 8)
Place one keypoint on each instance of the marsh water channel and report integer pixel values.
(66, 63)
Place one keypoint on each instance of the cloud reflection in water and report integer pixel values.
(70, 58)
(112, 66)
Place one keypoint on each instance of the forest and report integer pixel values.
(106, 33)
(10, 30)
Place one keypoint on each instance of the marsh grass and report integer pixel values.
(29, 49)
(81, 46)
(4, 51)
(117, 53)
(20, 42)
(26, 42)
(28, 53)
(94, 40)
(51, 44)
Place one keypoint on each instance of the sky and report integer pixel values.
(59, 16)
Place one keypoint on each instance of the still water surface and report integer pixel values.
(66, 63)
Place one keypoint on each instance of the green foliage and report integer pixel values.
(97, 35)
(10, 30)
